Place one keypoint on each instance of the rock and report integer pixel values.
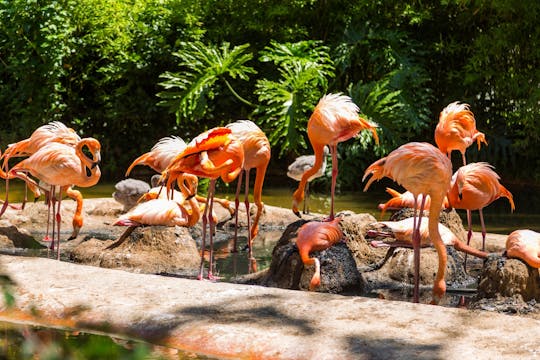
(151, 249)
(129, 191)
(502, 277)
(11, 237)
(338, 267)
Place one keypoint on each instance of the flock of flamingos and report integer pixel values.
(58, 159)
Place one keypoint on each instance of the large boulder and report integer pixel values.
(338, 267)
(151, 249)
(502, 277)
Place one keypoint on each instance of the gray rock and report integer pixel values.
(129, 191)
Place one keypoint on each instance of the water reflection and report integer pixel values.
(36, 342)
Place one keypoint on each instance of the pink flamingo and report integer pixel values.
(424, 170)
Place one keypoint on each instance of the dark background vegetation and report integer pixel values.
(131, 72)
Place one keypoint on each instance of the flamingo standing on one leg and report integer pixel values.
(474, 187)
(300, 165)
(161, 211)
(212, 154)
(63, 166)
(161, 155)
(317, 236)
(256, 156)
(423, 169)
(456, 130)
(524, 245)
(334, 119)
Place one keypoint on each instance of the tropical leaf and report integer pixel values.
(285, 105)
(189, 91)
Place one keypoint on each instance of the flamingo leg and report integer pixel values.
(483, 229)
(211, 193)
(236, 204)
(416, 248)
(469, 236)
(6, 202)
(333, 150)
(48, 199)
(203, 244)
(58, 222)
(252, 261)
(306, 199)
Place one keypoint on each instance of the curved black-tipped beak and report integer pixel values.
(297, 213)
(460, 196)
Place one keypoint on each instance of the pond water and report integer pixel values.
(36, 342)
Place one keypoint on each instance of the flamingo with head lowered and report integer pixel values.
(423, 170)
(161, 155)
(214, 154)
(162, 211)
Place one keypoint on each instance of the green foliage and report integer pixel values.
(97, 65)
(6, 286)
(188, 91)
(304, 69)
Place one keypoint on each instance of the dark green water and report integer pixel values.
(33, 342)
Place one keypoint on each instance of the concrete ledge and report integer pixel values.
(253, 322)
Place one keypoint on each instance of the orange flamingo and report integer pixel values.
(524, 245)
(423, 169)
(402, 231)
(456, 130)
(161, 155)
(334, 119)
(473, 187)
(52, 132)
(212, 154)
(256, 156)
(403, 200)
(163, 212)
(63, 166)
(317, 236)
(300, 165)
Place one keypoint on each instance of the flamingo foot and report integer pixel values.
(213, 277)
(47, 238)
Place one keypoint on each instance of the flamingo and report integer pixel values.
(423, 169)
(61, 166)
(256, 156)
(456, 130)
(161, 211)
(334, 119)
(54, 131)
(404, 200)
(402, 231)
(473, 187)
(524, 245)
(317, 236)
(213, 154)
(161, 155)
(300, 165)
